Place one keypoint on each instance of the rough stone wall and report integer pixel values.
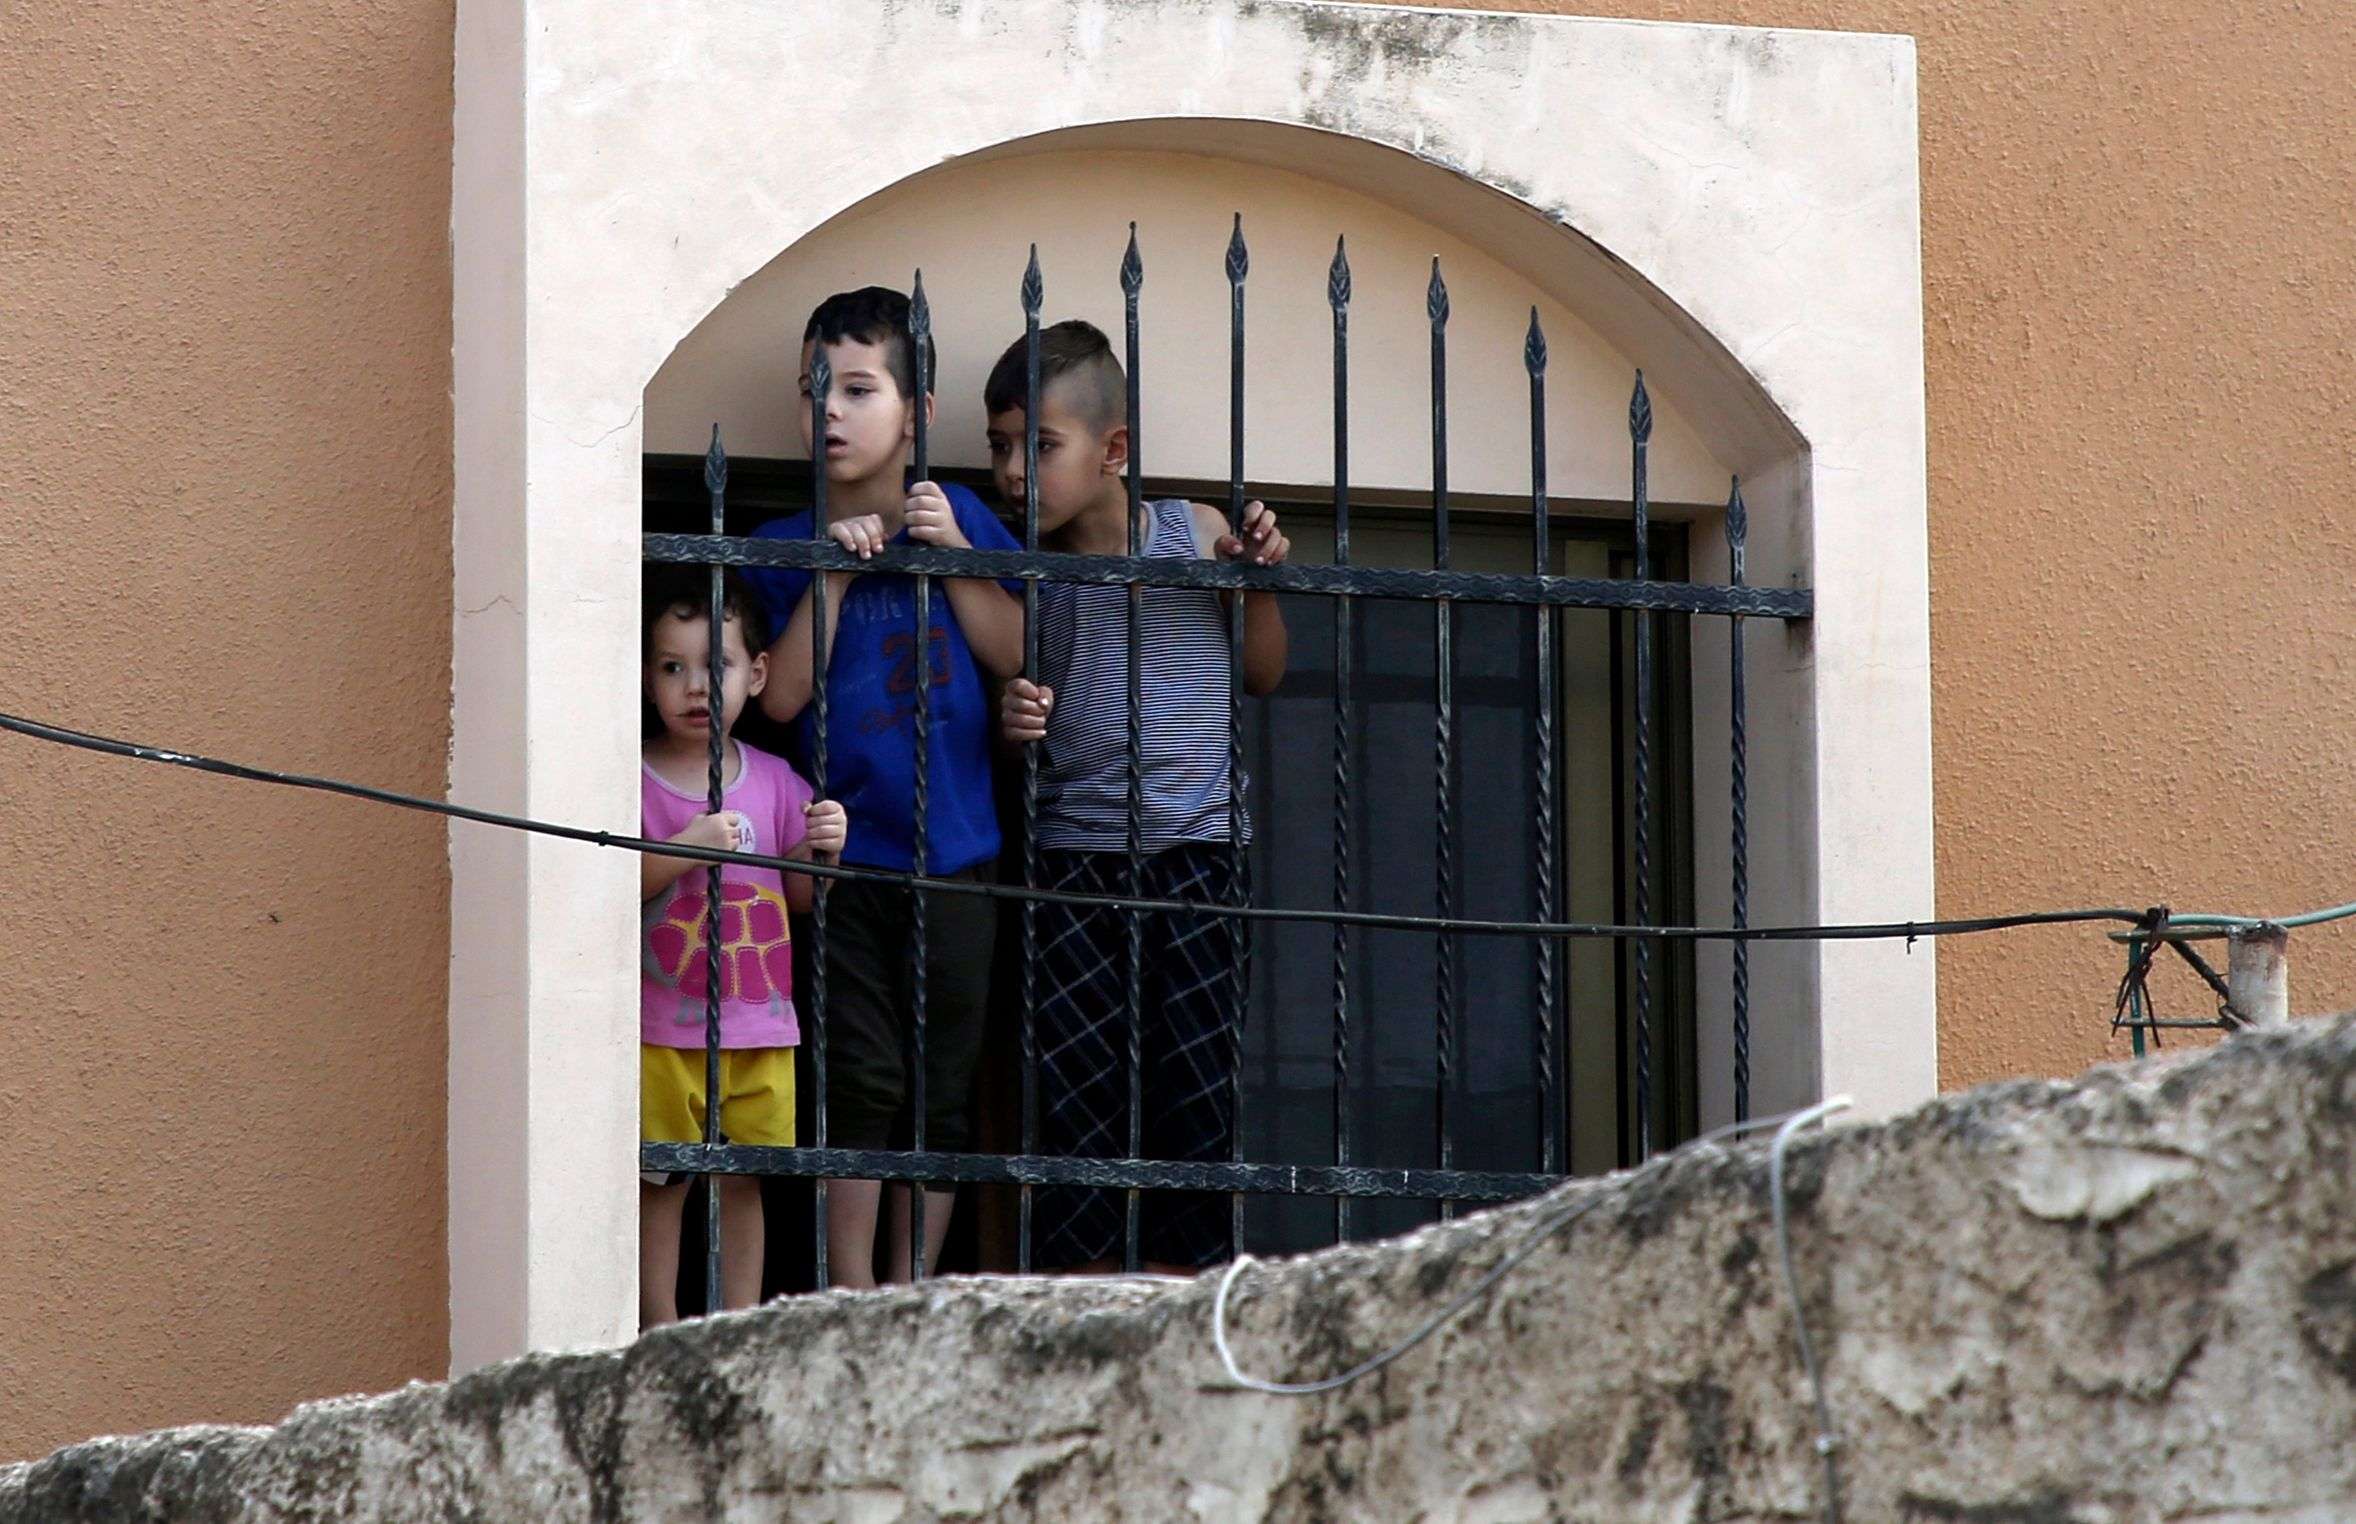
(2129, 1298)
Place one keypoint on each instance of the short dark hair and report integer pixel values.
(873, 315)
(686, 591)
(1072, 351)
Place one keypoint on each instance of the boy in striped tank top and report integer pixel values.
(1079, 712)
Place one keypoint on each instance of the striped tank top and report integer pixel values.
(1182, 681)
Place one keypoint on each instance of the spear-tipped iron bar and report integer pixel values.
(1133, 924)
(1443, 735)
(1640, 436)
(1034, 294)
(1551, 1117)
(821, 382)
(1738, 772)
(1337, 295)
(920, 334)
(1238, 267)
(716, 733)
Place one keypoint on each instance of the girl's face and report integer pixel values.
(869, 424)
(678, 675)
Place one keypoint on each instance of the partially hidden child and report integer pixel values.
(1079, 713)
(766, 808)
(874, 664)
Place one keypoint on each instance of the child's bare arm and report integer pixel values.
(790, 655)
(990, 616)
(824, 830)
(1266, 646)
(992, 619)
(657, 873)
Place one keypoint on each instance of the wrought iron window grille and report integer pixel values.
(1347, 1177)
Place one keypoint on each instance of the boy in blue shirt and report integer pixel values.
(873, 667)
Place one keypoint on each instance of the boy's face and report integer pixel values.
(678, 675)
(869, 424)
(1075, 458)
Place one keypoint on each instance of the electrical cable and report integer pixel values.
(1852, 932)
(1549, 1226)
(1828, 1440)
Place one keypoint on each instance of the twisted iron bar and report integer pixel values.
(1739, 774)
(1550, 1121)
(1640, 435)
(920, 336)
(1337, 296)
(1443, 732)
(821, 383)
(1239, 265)
(1034, 294)
(716, 735)
(1133, 928)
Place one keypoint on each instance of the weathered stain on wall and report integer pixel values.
(225, 460)
(2141, 364)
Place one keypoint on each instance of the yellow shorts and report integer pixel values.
(756, 1095)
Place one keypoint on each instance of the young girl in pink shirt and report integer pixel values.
(767, 809)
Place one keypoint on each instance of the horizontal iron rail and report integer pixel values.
(1356, 581)
(1113, 1174)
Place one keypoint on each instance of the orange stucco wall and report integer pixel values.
(224, 373)
(225, 465)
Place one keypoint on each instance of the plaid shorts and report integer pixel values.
(1190, 1023)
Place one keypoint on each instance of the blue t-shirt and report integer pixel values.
(871, 706)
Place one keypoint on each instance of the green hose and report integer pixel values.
(2286, 922)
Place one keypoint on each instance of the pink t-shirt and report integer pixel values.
(756, 950)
